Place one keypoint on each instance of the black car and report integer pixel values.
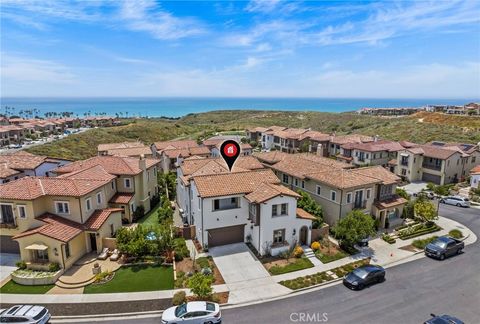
(364, 276)
(443, 247)
(443, 319)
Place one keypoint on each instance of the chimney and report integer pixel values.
(142, 163)
(375, 138)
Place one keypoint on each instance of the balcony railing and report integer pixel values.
(362, 204)
(430, 166)
(404, 163)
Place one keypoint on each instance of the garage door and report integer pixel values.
(226, 235)
(431, 178)
(7, 245)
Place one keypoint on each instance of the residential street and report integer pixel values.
(411, 292)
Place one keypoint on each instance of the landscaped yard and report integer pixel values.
(12, 287)
(186, 265)
(151, 218)
(329, 252)
(281, 266)
(136, 278)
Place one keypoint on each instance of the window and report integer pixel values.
(319, 190)
(113, 185)
(368, 193)
(128, 183)
(88, 201)
(148, 175)
(474, 158)
(22, 211)
(62, 207)
(349, 198)
(99, 198)
(303, 184)
(285, 178)
(67, 250)
(274, 210)
(112, 230)
(278, 236)
(333, 195)
(404, 172)
(284, 209)
(296, 182)
(226, 203)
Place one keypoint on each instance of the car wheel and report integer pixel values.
(361, 286)
(209, 322)
(459, 251)
(458, 205)
(442, 201)
(442, 257)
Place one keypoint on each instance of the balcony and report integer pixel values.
(432, 166)
(404, 162)
(362, 204)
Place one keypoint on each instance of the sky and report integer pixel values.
(362, 49)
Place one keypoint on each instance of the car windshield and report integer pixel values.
(40, 314)
(440, 244)
(210, 307)
(180, 310)
(360, 272)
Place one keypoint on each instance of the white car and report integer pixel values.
(28, 314)
(193, 313)
(456, 201)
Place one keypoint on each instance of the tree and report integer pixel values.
(305, 146)
(201, 285)
(354, 227)
(308, 204)
(424, 209)
(402, 193)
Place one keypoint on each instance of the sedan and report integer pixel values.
(29, 314)
(193, 313)
(364, 276)
(456, 201)
(443, 319)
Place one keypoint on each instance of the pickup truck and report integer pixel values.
(443, 247)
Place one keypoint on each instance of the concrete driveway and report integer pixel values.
(7, 264)
(244, 275)
(415, 187)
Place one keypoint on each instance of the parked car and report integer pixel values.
(443, 247)
(193, 312)
(443, 319)
(428, 194)
(456, 201)
(364, 276)
(28, 314)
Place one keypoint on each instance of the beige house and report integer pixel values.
(338, 187)
(439, 163)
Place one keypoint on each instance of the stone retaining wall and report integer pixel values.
(33, 281)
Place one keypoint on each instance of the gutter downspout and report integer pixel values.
(63, 260)
(80, 206)
(341, 201)
(203, 230)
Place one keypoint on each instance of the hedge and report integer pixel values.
(421, 231)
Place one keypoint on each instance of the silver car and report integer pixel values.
(28, 314)
(197, 312)
(456, 201)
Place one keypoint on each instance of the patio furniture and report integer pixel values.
(115, 255)
(103, 255)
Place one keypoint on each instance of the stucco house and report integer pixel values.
(133, 149)
(475, 177)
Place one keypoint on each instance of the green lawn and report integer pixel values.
(151, 218)
(325, 258)
(298, 264)
(136, 278)
(12, 287)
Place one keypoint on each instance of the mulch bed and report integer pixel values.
(409, 248)
(220, 298)
(186, 265)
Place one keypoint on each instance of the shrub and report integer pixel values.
(53, 267)
(456, 233)
(138, 213)
(298, 252)
(200, 285)
(315, 246)
(22, 265)
(181, 249)
(387, 238)
(102, 275)
(420, 244)
(180, 297)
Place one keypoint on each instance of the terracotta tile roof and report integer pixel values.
(315, 136)
(390, 203)
(378, 146)
(393, 162)
(175, 144)
(96, 172)
(352, 138)
(257, 129)
(56, 227)
(416, 150)
(117, 165)
(438, 152)
(5, 171)
(304, 215)
(218, 165)
(270, 157)
(233, 183)
(475, 170)
(341, 178)
(22, 160)
(122, 145)
(267, 191)
(186, 152)
(133, 151)
(245, 146)
(100, 216)
(380, 173)
(29, 188)
(121, 198)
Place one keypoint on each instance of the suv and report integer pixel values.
(29, 314)
(456, 201)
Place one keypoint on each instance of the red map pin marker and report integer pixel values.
(230, 150)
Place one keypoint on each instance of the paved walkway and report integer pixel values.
(310, 255)
(245, 276)
(7, 265)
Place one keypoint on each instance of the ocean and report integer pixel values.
(177, 107)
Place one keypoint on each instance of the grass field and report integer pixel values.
(151, 218)
(12, 287)
(136, 278)
(420, 128)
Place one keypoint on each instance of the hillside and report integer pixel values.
(420, 128)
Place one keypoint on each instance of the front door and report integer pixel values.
(303, 235)
(93, 242)
(359, 199)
